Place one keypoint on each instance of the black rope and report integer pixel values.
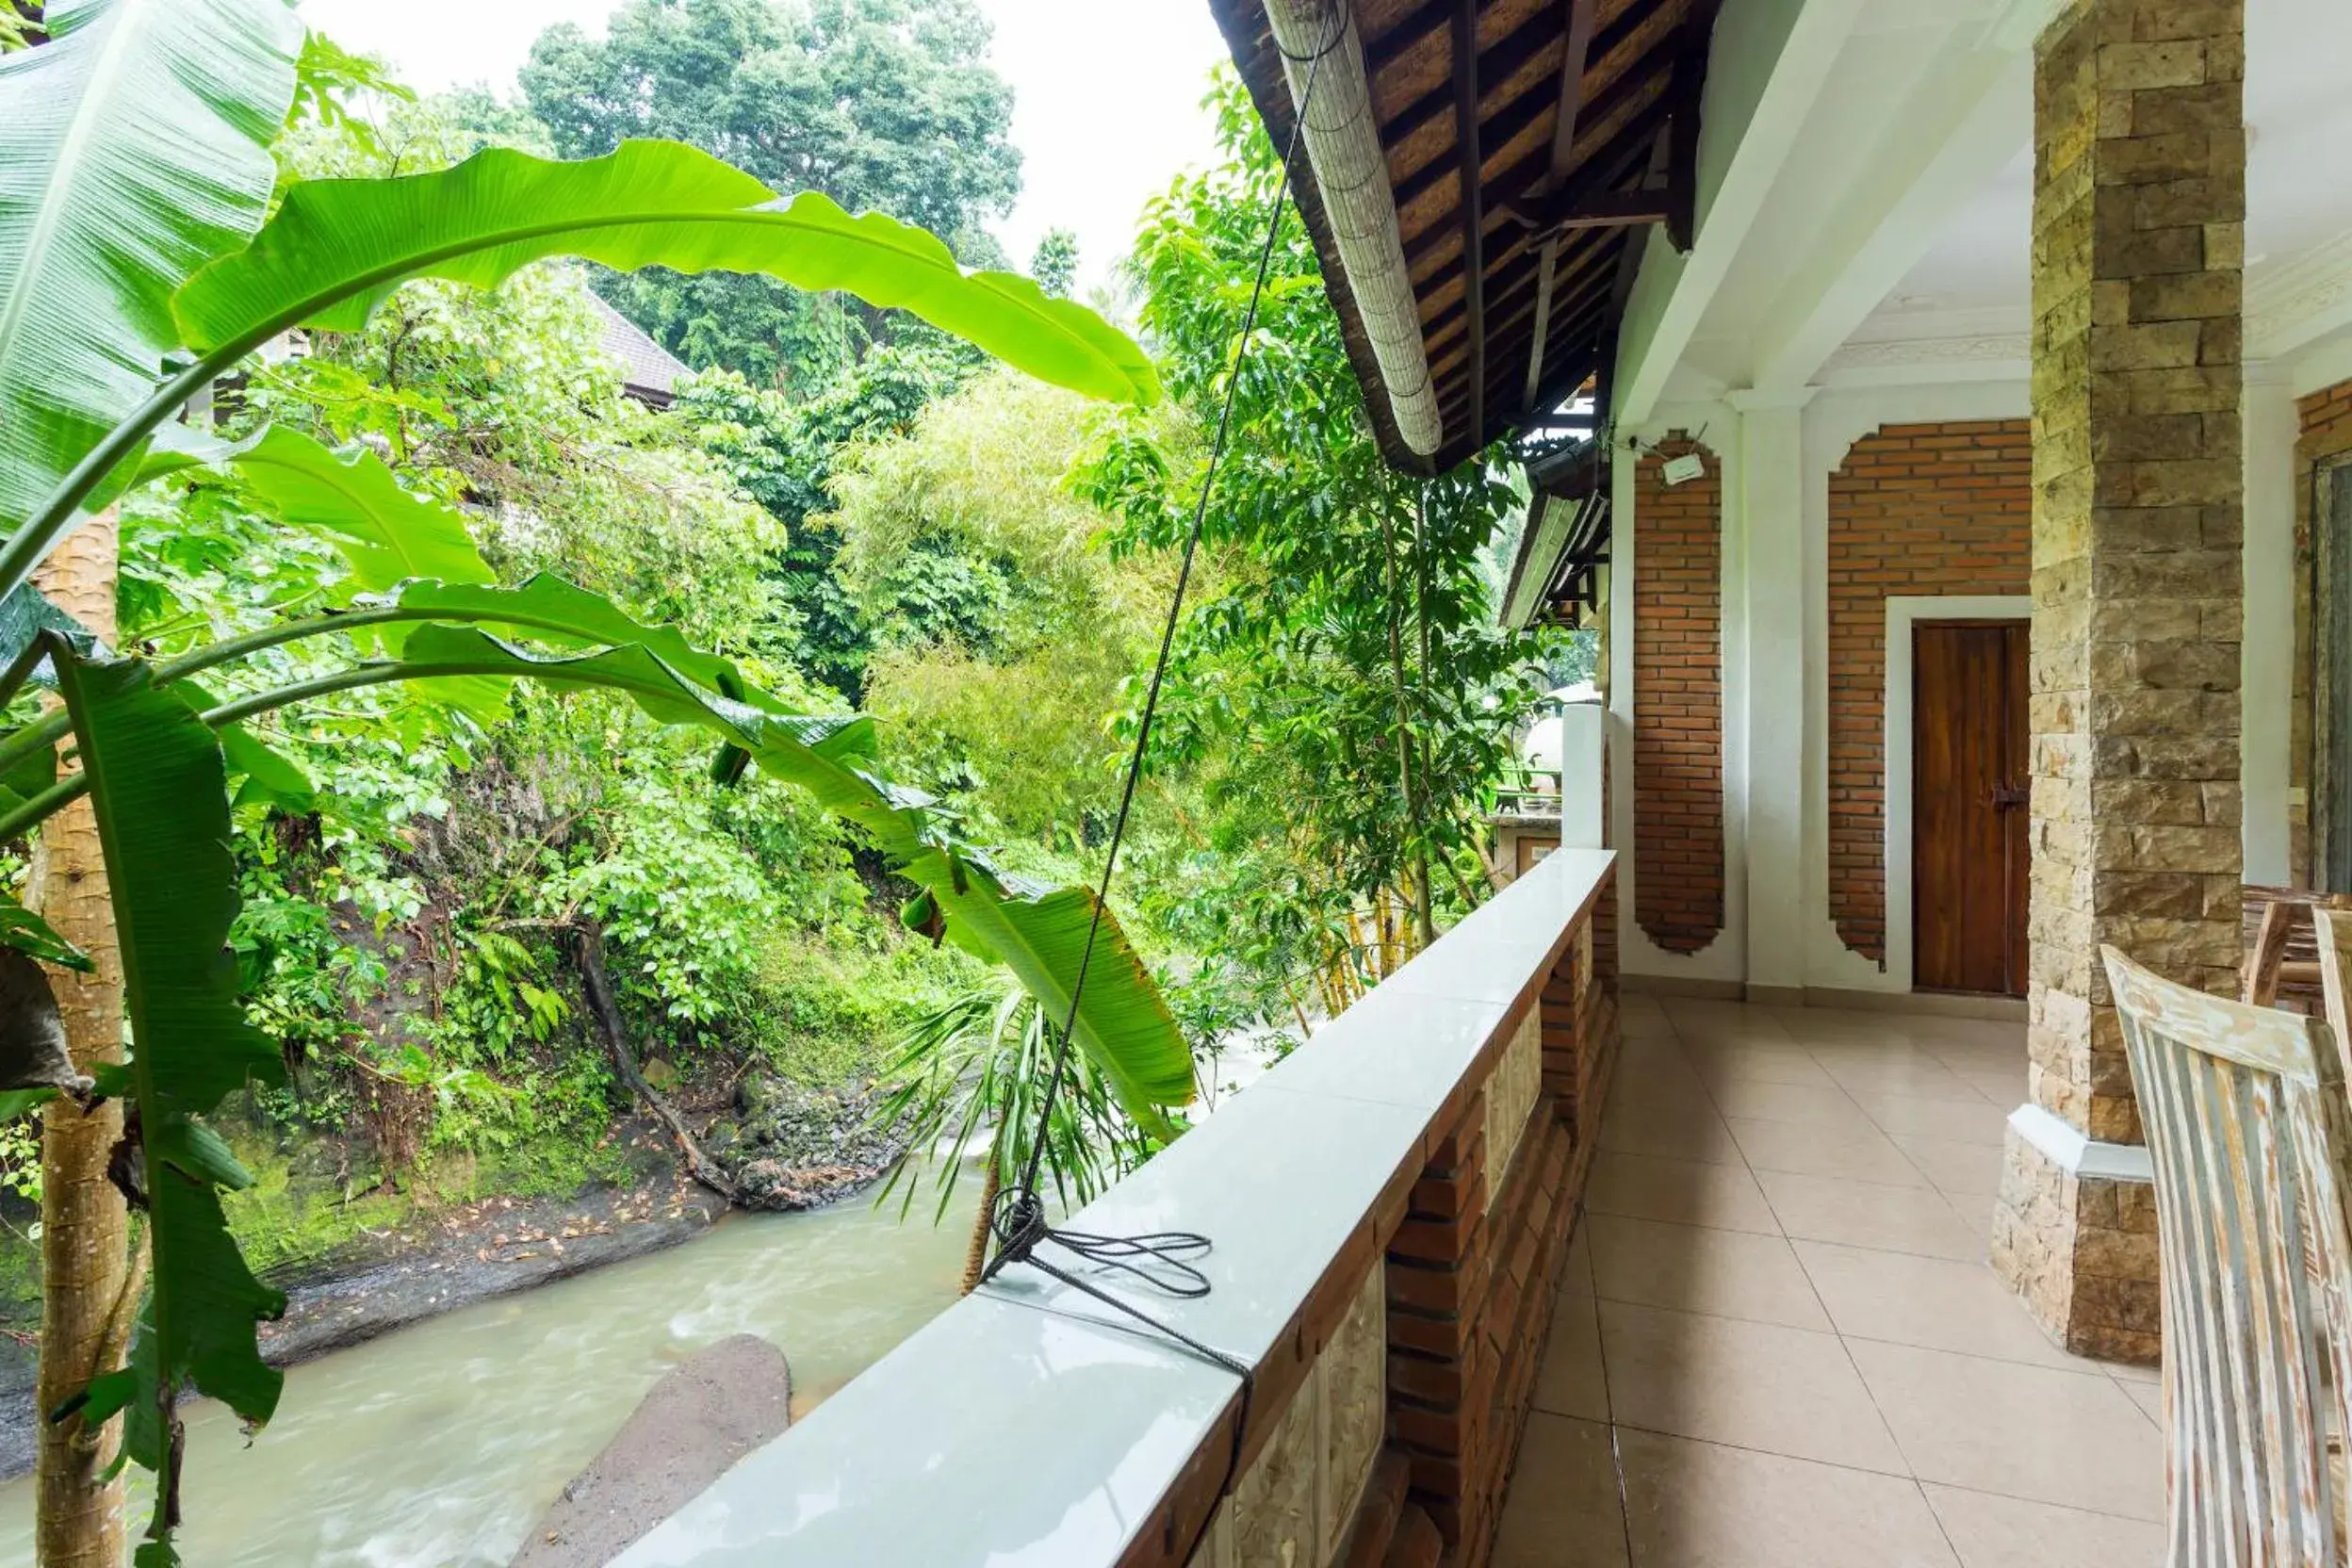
(1159, 1260)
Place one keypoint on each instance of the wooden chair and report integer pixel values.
(2334, 929)
(2250, 1133)
(2282, 966)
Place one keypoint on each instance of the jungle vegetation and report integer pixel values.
(399, 716)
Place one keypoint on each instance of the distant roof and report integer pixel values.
(649, 372)
(1564, 542)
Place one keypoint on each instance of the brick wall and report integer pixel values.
(1677, 701)
(1474, 1271)
(2326, 433)
(1941, 509)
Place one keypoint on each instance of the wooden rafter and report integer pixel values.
(1682, 158)
(1527, 143)
(1579, 42)
(1466, 137)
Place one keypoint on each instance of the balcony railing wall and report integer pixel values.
(1390, 1205)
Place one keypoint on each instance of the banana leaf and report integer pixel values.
(337, 248)
(26, 612)
(549, 607)
(134, 148)
(157, 793)
(387, 533)
(1038, 932)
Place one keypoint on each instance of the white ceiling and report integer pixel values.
(1974, 277)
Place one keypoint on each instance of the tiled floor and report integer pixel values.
(1779, 1345)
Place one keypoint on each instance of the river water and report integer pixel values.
(439, 1445)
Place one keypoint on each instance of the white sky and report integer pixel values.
(1106, 93)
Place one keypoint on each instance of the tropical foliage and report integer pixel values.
(877, 104)
(451, 661)
(151, 240)
(1346, 706)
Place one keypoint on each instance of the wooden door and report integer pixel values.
(1968, 805)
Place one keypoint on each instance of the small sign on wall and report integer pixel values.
(1683, 469)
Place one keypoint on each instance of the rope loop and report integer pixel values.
(1018, 1222)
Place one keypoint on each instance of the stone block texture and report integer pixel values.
(2139, 207)
(1678, 700)
(1926, 509)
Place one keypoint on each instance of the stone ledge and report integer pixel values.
(1049, 1427)
(2077, 1152)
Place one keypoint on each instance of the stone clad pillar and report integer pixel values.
(2139, 205)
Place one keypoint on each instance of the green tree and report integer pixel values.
(145, 134)
(782, 453)
(878, 104)
(1056, 264)
(1009, 710)
(1347, 701)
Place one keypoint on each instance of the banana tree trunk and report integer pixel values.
(977, 1255)
(84, 1236)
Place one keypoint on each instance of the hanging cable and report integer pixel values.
(1161, 1260)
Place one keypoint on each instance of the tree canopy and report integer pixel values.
(882, 104)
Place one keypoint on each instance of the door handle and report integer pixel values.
(2009, 797)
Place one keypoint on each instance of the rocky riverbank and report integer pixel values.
(788, 1145)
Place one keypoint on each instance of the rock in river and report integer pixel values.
(708, 1412)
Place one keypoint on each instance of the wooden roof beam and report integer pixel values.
(1500, 62)
(1473, 216)
(1682, 128)
(1605, 168)
(1563, 143)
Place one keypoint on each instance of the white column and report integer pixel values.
(1768, 517)
(2267, 655)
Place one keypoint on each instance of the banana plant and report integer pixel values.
(139, 262)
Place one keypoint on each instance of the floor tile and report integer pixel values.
(1965, 1057)
(1940, 1303)
(1576, 1271)
(1685, 1130)
(1728, 1273)
(2070, 1438)
(1700, 1504)
(2006, 1087)
(1923, 1078)
(1720, 1064)
(1955, 1121)
(1693, 1014)
(2148, 1397)
(1958, 1168)
(2009, 1532)
(1562, 1508)
(1859, 1391)
(1568, 1380)
(1810, 1023)
(1684, 1192)
(1753, 1385)
(1640, 1015)
(1866, 1213)
(1659, 1076)
(1861, 1154)
(1801, 1104)
(1976, 1213)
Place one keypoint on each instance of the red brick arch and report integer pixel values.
(1678, 700)
(1941, 509)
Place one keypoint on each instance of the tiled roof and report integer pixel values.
(648, 370)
